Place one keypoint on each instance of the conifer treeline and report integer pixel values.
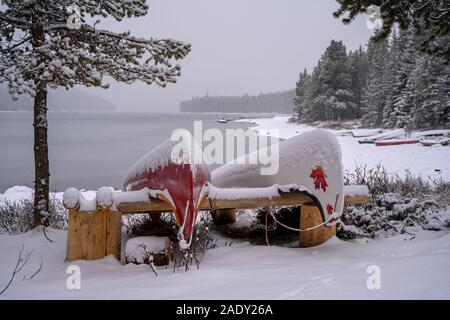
(389, 84)
(278, 102)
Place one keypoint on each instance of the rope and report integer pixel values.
(300, 230)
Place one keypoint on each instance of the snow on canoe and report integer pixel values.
(361, 133)
(399, 133)
(182, 175)
(395, 142)
(310, 162)
(431, 134)
(432, 142)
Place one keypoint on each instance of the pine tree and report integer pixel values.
(407, 62)
(336, 96)
(300, 93)
(427, 17)
(313, 108)
(49, 43)
(434, 108)
(374, 94)
(359, 69)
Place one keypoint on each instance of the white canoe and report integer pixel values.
(432, 142)
(393, 134)
(310, 163)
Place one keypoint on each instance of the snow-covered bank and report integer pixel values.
(431, 162)
(410, 269)
(412, 265)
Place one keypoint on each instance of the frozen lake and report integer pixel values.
(89, 150)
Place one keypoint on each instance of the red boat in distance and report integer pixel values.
(395, 142)
(181, 182)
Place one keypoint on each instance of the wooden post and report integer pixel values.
(113, 234)
(86, 235)
(309, 217)
(225, 216)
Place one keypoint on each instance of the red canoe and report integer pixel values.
(182, 181)
(394, 142)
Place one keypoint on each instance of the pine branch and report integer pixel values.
(26, 39)
(18, 23)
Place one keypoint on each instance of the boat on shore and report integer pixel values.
(396, 142)
(433, 137)
(430, 134)
(445, 141)
(362, 133)
(389, 135)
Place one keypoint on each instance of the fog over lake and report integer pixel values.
(89, 150)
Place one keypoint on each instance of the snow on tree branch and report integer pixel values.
(84, 56)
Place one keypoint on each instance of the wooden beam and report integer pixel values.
(285, 199)
(356, 200)
(158, 206)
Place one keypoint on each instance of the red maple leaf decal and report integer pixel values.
(330, 209)
(319, 178)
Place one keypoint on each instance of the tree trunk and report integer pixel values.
(41, 166)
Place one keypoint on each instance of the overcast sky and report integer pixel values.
(238, 46)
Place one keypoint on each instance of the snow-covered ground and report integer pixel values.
(431, 162)
(410, 267)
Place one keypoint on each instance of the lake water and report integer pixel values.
(89, 150)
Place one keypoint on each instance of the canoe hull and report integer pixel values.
(180, 183)
(395, 142)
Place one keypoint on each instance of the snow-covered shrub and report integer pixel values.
(409, 204)
(183, 258)
(397, 204)
(18, 216)
(379, 181)
(376, 179)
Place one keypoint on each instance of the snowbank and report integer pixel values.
(334, 270)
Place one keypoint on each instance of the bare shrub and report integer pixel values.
(17, 216)
(184, 259)
(379, 181)
(22, 261)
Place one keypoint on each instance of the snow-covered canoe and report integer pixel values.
(179, 176)
(310, 163)
(394, 134)
(361, 133)
(395, 142)
(432, 142)
(431, 134)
